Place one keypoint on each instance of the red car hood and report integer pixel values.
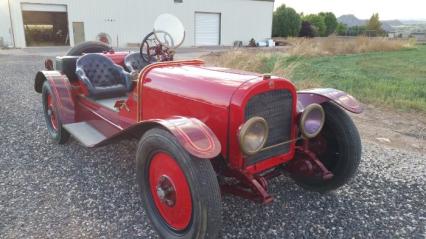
(208, 84)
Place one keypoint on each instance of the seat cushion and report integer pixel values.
(102, 74)
(103, 78)
(134, 62)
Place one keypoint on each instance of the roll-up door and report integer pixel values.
(207, 29)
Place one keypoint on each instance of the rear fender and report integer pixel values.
(61, 89)
(321, 95)
(194, 136)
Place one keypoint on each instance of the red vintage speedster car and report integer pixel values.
(202, 130)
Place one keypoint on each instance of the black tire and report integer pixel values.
(206, 217)
(343, 152)
(59, 135)
(88, 47)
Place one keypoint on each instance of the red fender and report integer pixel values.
(61, 89)
(321, 95)
(194, 136)
(198, 139)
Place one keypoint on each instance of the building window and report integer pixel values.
(178, 1)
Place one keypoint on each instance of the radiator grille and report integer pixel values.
(276, 108)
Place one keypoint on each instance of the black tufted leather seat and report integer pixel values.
(134, 62)
(103, 78)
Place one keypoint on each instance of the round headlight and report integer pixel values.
(312, 120)
(253, 135)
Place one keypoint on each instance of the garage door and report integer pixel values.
(45, 24)
(207, 29)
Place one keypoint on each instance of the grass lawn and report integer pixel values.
(391, 79)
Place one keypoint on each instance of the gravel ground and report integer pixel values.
(51, 191)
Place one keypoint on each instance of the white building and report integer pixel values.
(26, 23)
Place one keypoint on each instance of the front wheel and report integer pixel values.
(338, 147)
(179, 193)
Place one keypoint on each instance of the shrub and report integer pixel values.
(307, 30)
(318, 22)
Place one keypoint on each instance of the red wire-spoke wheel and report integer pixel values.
(53, 122)
(180, 193)
(170, 191)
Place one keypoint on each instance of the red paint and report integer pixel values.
(237, 106)
(194, 136)
(203, 107)
(207, 98)
(322, 95)
(170, 191)
(215, 95)
(63, 95)
(117, 56)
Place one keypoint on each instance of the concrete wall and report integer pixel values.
(5, 30)
(131, 20)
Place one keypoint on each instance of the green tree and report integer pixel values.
(318, 22)
(356, 30)
(341, 29)
(330, 21)
(374, 24)
(286, 22)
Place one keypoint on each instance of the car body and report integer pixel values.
(206, 111)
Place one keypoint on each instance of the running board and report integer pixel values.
(85, 133)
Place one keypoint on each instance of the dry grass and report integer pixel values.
(268, 60)
(331, 46)
(388, 75)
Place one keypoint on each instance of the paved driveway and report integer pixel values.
(52, 191)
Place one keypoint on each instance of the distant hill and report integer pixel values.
(351, 20)
(414, 22)
(393, 22)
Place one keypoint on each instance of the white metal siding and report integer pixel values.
(207, 29)
(43, 7)
(5, 25)
(129, 21)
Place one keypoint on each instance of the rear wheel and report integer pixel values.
(338, 147)
(180, 193)
(88, 47)
(51, 115)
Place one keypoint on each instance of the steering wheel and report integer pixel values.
(152, 49)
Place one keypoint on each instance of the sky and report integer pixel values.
(363, 9)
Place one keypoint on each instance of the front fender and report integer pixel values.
(62, 93)
(198, 139)
(321, 95)
(194, 136)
